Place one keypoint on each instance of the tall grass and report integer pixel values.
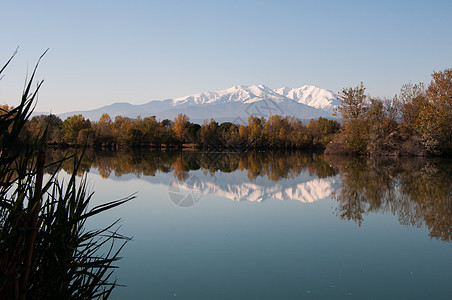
(46, 253)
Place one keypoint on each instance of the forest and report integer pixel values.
(416, 122)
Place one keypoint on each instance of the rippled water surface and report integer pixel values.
(277, 225)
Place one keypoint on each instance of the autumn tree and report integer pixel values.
(353, 108)
(121, 127)
(353, 103)
(427, 114)
(276, 131)
(53, 124)
(256, 137)
(103, 130)
(298, 134)
(436, 117)
(181, 123)
(413, 99)
(383, 137)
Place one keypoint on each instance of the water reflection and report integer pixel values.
(273, 165)
(418, 191)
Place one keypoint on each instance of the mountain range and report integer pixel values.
(235, 104)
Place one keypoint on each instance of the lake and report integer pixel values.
(277, 225)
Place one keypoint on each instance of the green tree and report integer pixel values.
(150, 130)
(320, 132)
(72, 127)
(166, 132)
(327, 127)
(209, 135)
(192, 132)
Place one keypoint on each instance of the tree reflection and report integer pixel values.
(418, 191)
(273, 165)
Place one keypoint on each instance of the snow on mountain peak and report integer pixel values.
(238, 93)
(307, 94)
(312, 96)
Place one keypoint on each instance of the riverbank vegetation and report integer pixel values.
(417, 122)
(274, 132)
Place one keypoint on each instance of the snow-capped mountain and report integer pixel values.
(241, 93)
(235, 104)
(312, 96)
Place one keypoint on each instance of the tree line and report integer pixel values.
(275, 165)
(417, 122)
(274, 132)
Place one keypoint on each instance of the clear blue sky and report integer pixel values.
(137, 51)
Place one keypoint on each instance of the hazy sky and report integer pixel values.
(137, 51)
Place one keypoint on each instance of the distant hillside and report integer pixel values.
(235, 104)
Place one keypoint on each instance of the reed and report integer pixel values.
(46, 251)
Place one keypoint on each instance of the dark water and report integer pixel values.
(278, 225)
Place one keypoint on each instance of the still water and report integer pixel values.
(277, 225)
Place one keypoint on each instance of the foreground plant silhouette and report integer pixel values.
(45, 251)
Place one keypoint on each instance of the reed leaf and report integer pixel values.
(46, 251)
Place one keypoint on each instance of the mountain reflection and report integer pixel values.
(418, 191)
